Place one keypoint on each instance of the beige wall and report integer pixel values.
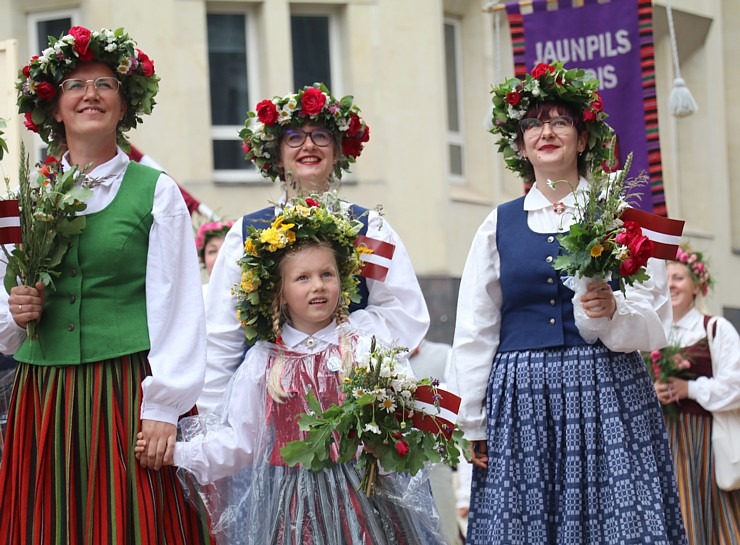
(393, 63)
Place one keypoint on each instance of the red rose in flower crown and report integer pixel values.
(313, 101)
(514, 98)
(28, 122)
(147, 64)
(351, 147)
(82, 42)
(267, 113)
(542, 69)
(46, 91)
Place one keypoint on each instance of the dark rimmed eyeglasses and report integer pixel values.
(106, 84)
(558, 124)
(296, 137)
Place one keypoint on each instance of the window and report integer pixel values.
(40, 27)
(315, 44)
(453, 79)
(231, 73)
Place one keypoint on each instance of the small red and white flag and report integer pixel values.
(430, 418)
(664, 232)
(376, 264)
(10, 222)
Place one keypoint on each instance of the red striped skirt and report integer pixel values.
(68, 473)
(711, 516)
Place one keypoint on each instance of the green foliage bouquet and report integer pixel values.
(48, 203)
(381, 412)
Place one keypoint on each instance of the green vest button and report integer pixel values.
(72, 299)
(71, 327)
(73, 272)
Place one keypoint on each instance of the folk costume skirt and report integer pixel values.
(69, 475)
(711, 515)
(577, 453)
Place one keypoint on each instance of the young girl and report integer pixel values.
(297, 277)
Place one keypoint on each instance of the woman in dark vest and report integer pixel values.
(307, 139)
(711, 515)
(120, 345)
(569, 443)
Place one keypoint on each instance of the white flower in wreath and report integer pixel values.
(343, 123)
(514, 113)
(372, 427)
(514, 145)
(284, 116)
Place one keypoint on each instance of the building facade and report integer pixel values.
(421, 70)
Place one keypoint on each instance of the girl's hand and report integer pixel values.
(140, 446)
(599, 301)
(26, 303)
(479, 451)
(679, 388)
(157, 440)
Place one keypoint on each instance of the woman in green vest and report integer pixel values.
(120, 345)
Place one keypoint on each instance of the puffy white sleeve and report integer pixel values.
(477, 329)
(220, 445)
(644, 314)
(396, 309)
(225, 335)
(721, 392)
(11, 334)
(174, 307)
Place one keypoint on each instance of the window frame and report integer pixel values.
(231, 132)
(332, 13)
(455, 138)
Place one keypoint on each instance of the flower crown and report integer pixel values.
(549, 83)
(302, 221)
(209, 230)
(38, 81)
(263, 128)
(697, 266)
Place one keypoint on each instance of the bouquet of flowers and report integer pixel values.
(381, 412)
(599, 245)
(666, 363)
(48, 203)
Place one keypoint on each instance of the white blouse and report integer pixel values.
(722, 391)
(396, 311)
(641, 322)
(174, 306)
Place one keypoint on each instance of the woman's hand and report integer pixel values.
(155, 445)
(672, 390)
(599, 301)
(479, 452)
(26, 303)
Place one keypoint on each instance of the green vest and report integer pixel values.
(98, 310)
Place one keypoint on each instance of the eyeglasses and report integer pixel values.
(296, 137)
(104, 85)
(534, 126)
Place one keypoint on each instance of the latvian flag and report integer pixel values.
(664, 232)
(427, 417)
(376, 264)
(10, 222)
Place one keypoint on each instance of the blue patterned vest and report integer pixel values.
(537, 311)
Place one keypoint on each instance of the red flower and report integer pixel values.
(27, 71)
(46, 91)
(631, 230)
(267, 112)
(542, 69)
(351, 147)
(365, 135)
(312, 101)
(589, 115)
(402, 448)
(514, 98)
(597, 104)
(355, 125)
(82, 42)
(147, 64)
(655, 356)
(641, 249)
(30, 125)
(311, 203)
(246, 148)
(628, 267)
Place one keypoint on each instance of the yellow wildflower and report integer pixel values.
(363, 249)
(249, 247)
(596, 250)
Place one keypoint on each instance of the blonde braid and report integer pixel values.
(274, 380)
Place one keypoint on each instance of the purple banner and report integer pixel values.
(605, 40)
